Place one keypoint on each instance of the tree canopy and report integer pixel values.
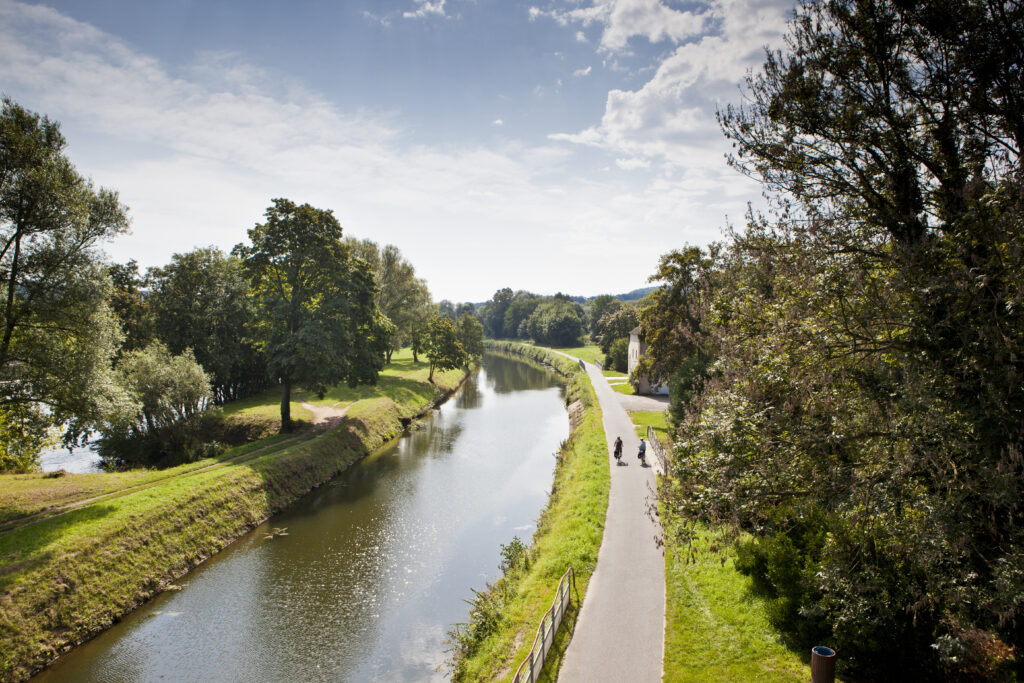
(319, 324)
(57, 331)
(442, 346)
(200, 301)
(854, 359)
(401, 296)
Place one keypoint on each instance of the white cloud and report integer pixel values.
(671, 117)
(497, 122)
(426, 7)
(582, 72)
(632, 164)
(383, 20)
(197, 155)
(581, 37)
(626, 19)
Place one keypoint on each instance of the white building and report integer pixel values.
(637, 348)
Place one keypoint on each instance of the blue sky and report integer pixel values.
(547, 145)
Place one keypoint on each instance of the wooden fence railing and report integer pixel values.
(660, 452)
(531, 667)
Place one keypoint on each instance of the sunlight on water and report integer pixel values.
(361, 579)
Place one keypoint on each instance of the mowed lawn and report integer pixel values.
(591, 353)
(658, 419)
(395, 381)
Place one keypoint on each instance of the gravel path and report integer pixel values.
(620, 633)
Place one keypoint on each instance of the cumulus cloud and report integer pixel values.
(425, 8)
(582, 72)
(625, 19)
(497, 122)
(198, 152)
(671, 116)
(632, 164)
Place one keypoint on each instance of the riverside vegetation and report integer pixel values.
(504, 616)
(66, 577)
(848, 403)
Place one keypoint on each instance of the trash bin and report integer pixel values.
(823, 664)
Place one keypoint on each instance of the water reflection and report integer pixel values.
(373, 568)
(505, 377)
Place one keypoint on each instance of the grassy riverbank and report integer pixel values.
(568, 534)
(716, 627)
(69, 576)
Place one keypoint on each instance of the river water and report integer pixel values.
(370, 570)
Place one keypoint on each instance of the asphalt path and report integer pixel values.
(620, 633)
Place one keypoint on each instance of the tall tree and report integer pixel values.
(865, 409)
(447, 309)
(600, 307)
(57, 332)
(493, 313)
(470, 333)
(128, 299)
(200, 301)
(615, 325)
(557, 322)
(319, 323)
(401, 296)
(442, 345)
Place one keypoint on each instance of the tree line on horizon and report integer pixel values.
(847, 372)
(90, 347)
(563, 321)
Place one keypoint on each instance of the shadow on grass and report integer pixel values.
(22, 549)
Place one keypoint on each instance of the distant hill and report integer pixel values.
(633, 295)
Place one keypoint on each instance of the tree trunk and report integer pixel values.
(286, 405)
(430, 378)
(387, 357)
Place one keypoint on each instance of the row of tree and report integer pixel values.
(140, 357)
(848, 373)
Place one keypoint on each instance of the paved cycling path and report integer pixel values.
(620, 633)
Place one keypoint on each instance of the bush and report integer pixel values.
(618, 355)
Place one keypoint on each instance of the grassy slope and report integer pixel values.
(568, 534)
(589, 353)
(23, 495)
(715, 628)
(402, 381)
(66, 578)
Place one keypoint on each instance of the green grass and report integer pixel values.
(624, 388)
(569, 533)
(267, 404)
(613, 374)
(67, 577)
(400, 380)
(716, 629)
(589, 353)
(643, 419)
(24, 495)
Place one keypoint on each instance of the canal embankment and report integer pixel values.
(69, 576)
(504, 616)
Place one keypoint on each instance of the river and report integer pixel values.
(361, 579)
